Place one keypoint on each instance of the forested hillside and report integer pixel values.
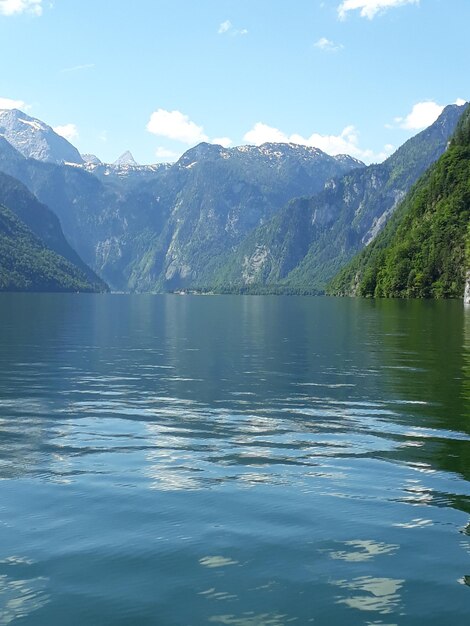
(424, 251)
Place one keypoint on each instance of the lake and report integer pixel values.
(251, 461)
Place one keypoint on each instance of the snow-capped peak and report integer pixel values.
(34, 139)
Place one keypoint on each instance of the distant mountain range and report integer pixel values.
(270, 218)
(151, 228)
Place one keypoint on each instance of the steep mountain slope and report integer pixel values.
(424, 251)
(34, 139)
(309, 240)
(26, 264)
(43, 223)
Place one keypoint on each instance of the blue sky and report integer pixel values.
(158, 76)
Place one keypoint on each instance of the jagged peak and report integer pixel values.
(126, 159)
(91, 159)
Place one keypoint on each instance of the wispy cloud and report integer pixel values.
(227, 28)
(327, 45)
(346, 142)
(8, 103)
(68, 131)
(422, 115)
(16, 7)
(77, 68)
(370, 8)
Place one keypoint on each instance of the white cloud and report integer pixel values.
(460, 102)
(164, 153)
(422, 115)
(8, 103)
(14, 7)
(327, 45)
(225, 142)
(175, 125)
(370, 8)
(347, 142)
(262, 133)
(68, 131)
(227, 28)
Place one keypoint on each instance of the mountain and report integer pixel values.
(26, 264)
(424, 251)
(221, 196)
(126, 160)
(35, 139)
(304, 244)
(123, 175)
(43, 223)
(91, 159)
(151, 228)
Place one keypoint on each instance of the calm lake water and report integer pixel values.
(250, 461)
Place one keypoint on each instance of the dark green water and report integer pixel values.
(250, 461)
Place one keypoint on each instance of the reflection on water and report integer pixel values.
(216, 561)
(380, 595)
(250, 619)
(287, 459)
(363, 550)
(19, 597)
